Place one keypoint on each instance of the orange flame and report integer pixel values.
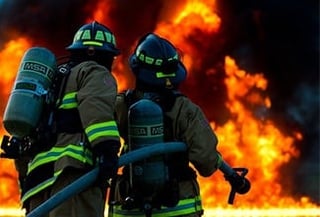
(194, 15)
(248, 138)
(9, 63)
(252, 142)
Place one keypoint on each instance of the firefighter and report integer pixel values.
(159, 71)
(86, 134)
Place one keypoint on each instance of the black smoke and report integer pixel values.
(47, 23)
(278, 38)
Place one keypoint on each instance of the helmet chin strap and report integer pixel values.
(169, 85)
(91, 51)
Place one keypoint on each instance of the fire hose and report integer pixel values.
(161, 148)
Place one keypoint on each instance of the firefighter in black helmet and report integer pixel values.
(159, 71)
(86, 133)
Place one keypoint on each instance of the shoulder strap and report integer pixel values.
(167, 99)
(61, 82)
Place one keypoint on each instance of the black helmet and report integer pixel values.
(156, 62)
(94, 36)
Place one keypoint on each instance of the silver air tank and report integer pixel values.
(34, 78)
(146, 128)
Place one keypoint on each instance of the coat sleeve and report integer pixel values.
(194, 129)
(96, 97)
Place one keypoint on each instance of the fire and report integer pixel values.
(13, 51)
(197, 13)
(247, 139)
(194, 16)
(9, 63)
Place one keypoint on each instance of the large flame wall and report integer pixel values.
(224, 49)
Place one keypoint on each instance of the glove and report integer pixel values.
(240, 184)
(107, 155)
(12, 148)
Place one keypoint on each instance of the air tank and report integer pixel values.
(145, 123)
(27, 98)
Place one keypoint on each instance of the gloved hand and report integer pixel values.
(14, 147)
(107, 156)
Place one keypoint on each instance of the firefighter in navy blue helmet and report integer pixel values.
(86, 131)
(159, 72)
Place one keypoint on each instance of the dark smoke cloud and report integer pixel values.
(47, 23)
(278, 38)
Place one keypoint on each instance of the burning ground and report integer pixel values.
(253, 68)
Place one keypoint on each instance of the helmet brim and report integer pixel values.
(74, 46)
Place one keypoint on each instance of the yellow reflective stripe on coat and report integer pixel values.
(41, 186)
(74, 151)
(184, 207)
(104, 129)
(69, 101)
